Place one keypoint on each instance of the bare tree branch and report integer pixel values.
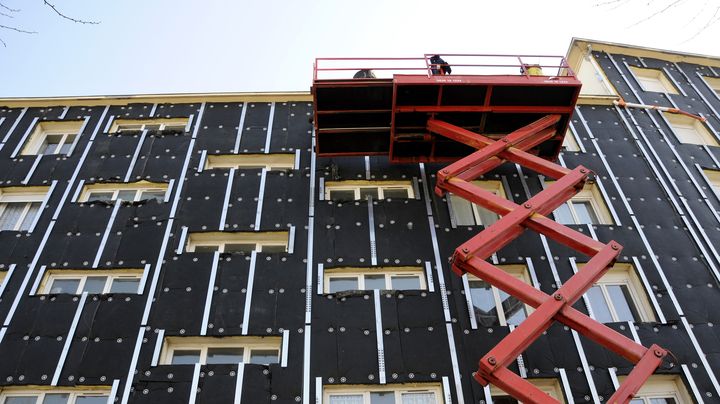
(715, 17)
(66, 17)
(7, 15)
(17, 29)
(655, 14)
(3, 42)
(8, 8)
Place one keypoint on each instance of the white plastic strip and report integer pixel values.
(183, 172)
(239, 383)
(241, 125)
(309, 271)
(551, 261)
(379, 337)
(701, 355)
(32, 169)
(143, 279)
(158, 347)
(585, 298)
(429, 276)
(691, 382)
(614, 378)
(285, 346)
(14, 125)
(226, 200)
(371, 227)
(107, 126)
(306, 368)
(133, 365)
(585, 366)
(156, 274)
(202, 162)
(648, 290)
(248, 293)
(209, 295)
(113, 391)
(153, 110)
(38, 279)
(169, 190)
(42, 206)
(454, 362)
(24, 138)
(77, 137)
(533, 274)
(367, 168)
(576, 136)
(269, 128)
(183, 237)
(318, 390)
(677, 85)
(68, 339)
(321, 189)
(487, 394)
(189, 123)
(3, 330)
(611, 174)
(106, 235)
(6, 281)
(261, 193)
(296, 165)
(291, 240)
(447, 394)
(633, 331)
(469, 303)
(76, 194)
(135, 156)
(320, 279)
(566, 386)
(194, 384)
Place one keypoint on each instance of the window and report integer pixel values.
(714, 83)
(52, 138)
(270, 162)
(20, 206)
(43, 395)
(128, 192)
(713, 177)
(467, 213)
(549, 386)
(93, 282)
(593, 79)
(690, 130)
(388, 278)
(494, 307)
(619, 296)
(569, 143)
(357, 190)
(653, 80)
(242, 242)
(662, 389)
(209, 350)
(383, 394)
(135, 125)
(586, 207)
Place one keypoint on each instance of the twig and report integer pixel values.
(3, 42)
(66, 17)
(17, 29)
(8, 8)
(7, 15)
(673, 4)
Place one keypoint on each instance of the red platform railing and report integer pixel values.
(471, 256)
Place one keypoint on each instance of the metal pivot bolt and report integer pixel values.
(615, 246)
(491, 360)
(527, 205)
(659, 353)
(583, 170)
(465, 250)
(558, 297)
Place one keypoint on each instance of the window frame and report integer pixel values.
(26, 195)
(570, 143)
(41, 391)
(248, 344)
(397, 389)
(713, 180)
(220, 239)
(656, 77)
(591, 194)
(357, 185)
(713, 83)
(269, 161)
(624, 274)
(662, 386)
(54, 274)
(163, 122)
(550, 386)
(115, 188)
(590, 71)
(494, 186)
(360, 273)
(680, 124)
(35, 141)
(519, 271)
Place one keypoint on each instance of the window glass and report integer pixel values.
(56, 398)
(483, 302)
(20, 400)
(340, 284)
(404, 282)
(342, 195)
(263, 356)
(100, 196)
(159, 194)
(585, 212)
(401, 193)
(91, 400)
(65, 286)
(382, 397)
(365, 192)
(418, 398)
(10, 215)
(462, 209)
(622, 302)
(207, 248)
(30, 216)
(125, 285)
(375, 282)
(95, 284)
(600, 308)
(346, 399)
(486, 217)
(563, 215)
(129, 127)
(69, 140)
(185, 357)
(127, 195)
(274, 248)
(224, 355)
(513, 308)
(51, 144)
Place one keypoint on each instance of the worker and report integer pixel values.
(364, 74)
(439, 66)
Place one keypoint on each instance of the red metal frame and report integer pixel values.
(470, 256)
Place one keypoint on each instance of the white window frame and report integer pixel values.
(653, 80)
(494, 186)
(398, 389)
(591, 194)
(517, 270)
(357, 185)
(41, 391)
(139, 187)
(49, 128)
(699, 133)
(360, 273)
(624, 274)
(202, 344)
(713, 178)
(550, 387)
(269, 161)
(595, 83)
(165, 123)
(662, 386)
(714, 83)
(221, 239)
(63, 274)
(27, 195)
(570, 143)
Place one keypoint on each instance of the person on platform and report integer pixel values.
(364, 74)
(439, 66)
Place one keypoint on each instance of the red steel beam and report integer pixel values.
(642, 370)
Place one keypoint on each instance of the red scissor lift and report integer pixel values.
(495, 109)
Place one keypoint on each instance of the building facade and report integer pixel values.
(193, 248)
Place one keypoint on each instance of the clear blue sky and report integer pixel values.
(170, 46)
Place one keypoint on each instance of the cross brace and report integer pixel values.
(471, 256)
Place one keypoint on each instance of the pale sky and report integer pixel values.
(176, 46)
